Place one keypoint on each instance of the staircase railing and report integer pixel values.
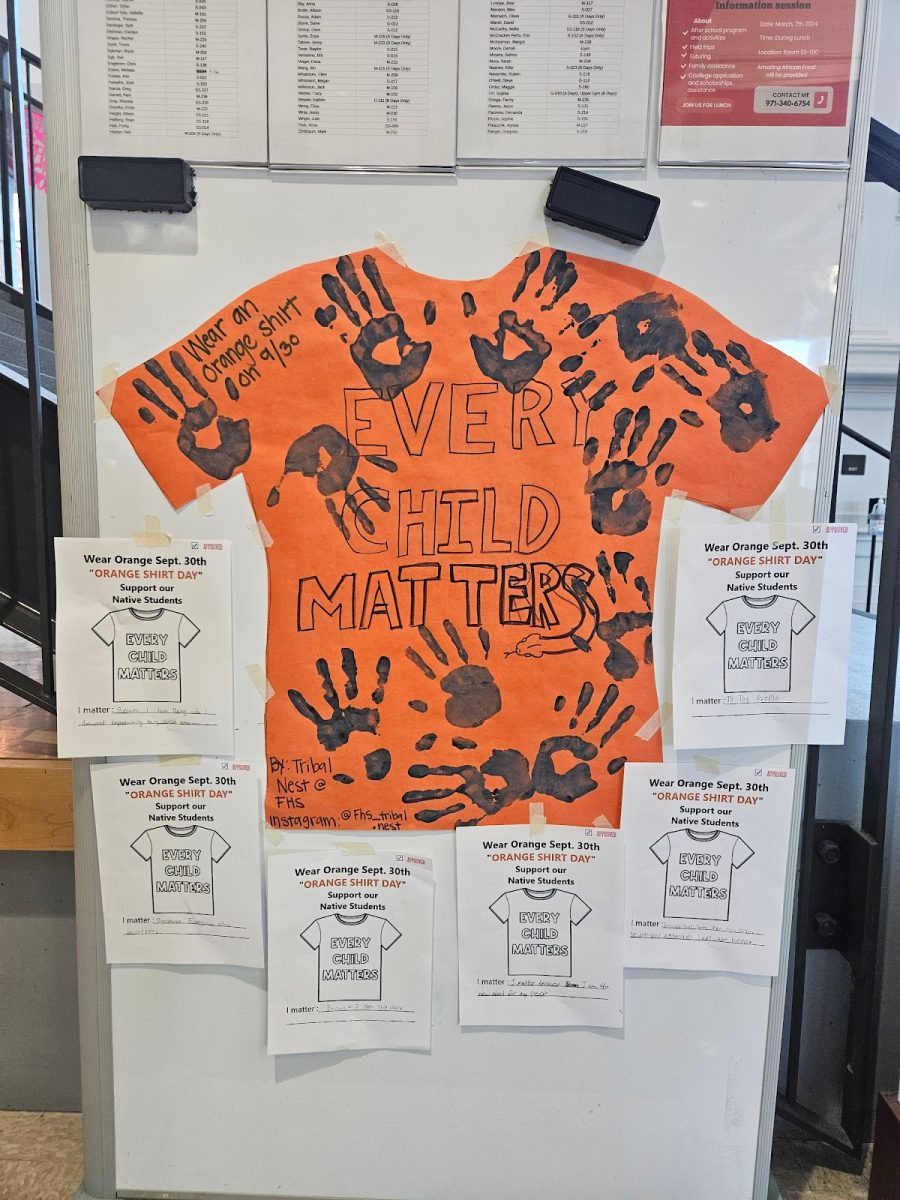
(10, 261)
(21, 136)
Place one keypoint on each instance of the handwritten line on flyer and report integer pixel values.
(683, 937)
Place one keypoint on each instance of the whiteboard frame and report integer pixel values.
(840, 341)
(68, 237)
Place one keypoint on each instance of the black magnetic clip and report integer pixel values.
(611, 209)
(136, 184)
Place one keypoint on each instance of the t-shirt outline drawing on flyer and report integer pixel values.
(667, 850)
(320, 932)
(357, 397)
(726, 620)
(537, 903)
(168, 864)
(112, 629)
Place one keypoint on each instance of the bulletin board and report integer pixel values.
(681, 1101)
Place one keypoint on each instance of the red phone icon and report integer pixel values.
(820, 100)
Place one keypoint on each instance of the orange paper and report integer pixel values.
(463, 484)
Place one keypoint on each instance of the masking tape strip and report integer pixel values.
(104, 397)
(653, 724)
(746, 514)
(703, 763)
(537, 822)
(259, 681)
(675, 506)
(204, 500)
(602, 822)
(261, 534)
(539, 242)
(273, 836)
(390, 248)
(153, 534)
(355, 848)
(181, 760)
(834, 386)
(778, 518)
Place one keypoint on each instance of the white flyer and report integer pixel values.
(762, 634)
(143, 648)
(705, 863)
(350, 950)
(180, 869)
(540, 926)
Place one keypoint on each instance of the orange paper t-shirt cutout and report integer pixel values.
(463, 484)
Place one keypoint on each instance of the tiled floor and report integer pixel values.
(40, 1159)
(40, 1155)
(807, 1170)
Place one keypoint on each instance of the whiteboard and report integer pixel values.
(668, 1107)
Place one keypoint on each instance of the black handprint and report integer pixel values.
(619, 504)
(324, 454)
(386, 355)
(510, 766)
(578, 781)
(650, 325)
(517, 370)
(233, 450)
(560, 274)
(336, 729)
(603, 709)
(516, 353)
(745, 415)
(472, 695)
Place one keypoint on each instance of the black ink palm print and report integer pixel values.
(745, 415)
(505, 776)
(389, 359)
(577, 781)
(233, 450)
(499, 781)
(620, 506)
(346, 719)
(516, 353)
(472, 694)
(324, 454)
(649, 326)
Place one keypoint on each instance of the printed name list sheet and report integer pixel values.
(554, 79)
(362, 82)
(176, 77)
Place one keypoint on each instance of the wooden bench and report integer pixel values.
(35, 804)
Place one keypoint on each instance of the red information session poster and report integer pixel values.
(758, 62)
